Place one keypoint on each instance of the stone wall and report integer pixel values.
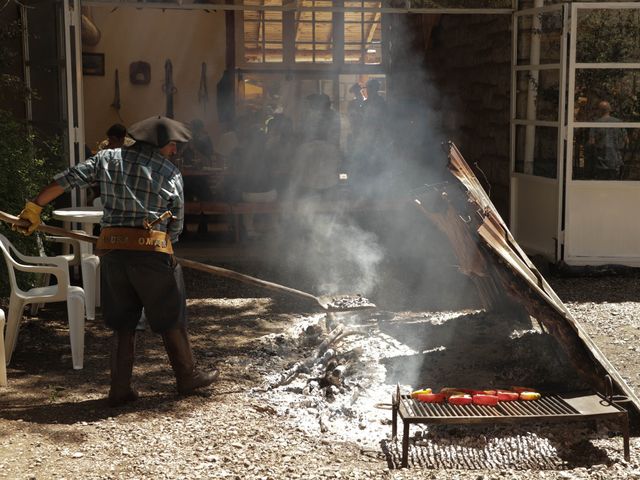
(468, 62)
(458, 67)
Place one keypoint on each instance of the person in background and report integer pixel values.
(370, 154)
(137, 267)
(354, 113)
(116, 138)
(320, 120)
(606, 145)
(316, 165)
(374, 107)
(279, 149)
(255, 180)
(199, 151)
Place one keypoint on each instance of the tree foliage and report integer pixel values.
(28, 158)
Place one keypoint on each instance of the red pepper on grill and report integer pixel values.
(463, 399)
(481, 399)
(507, 396)
(430, 397)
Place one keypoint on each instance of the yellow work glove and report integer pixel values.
(30, 212)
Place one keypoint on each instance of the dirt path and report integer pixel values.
(54, 422)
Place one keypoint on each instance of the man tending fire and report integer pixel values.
(142, 197)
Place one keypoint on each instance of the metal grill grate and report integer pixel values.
(549, 405)
(551, 408)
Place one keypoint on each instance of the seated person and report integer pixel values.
(315, 168)
(320, 121)
(116, 138)
(279, 149)
(255, 179)
(199, 150)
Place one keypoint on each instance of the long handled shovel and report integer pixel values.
(333, 303)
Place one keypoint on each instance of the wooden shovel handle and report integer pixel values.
(13, 220)
(223, 272)
(203, 267)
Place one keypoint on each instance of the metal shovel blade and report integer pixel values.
(344, 303)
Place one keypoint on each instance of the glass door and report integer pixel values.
(537, 127)
(603, 133)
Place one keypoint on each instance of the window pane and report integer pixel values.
(314, 34)
(352, 17)
(272, 16)
(353, 53)
(250, 16)
(545, 28)
(307, 52)
(323, 16)
(606, 36)
(263, 34)
(544, 85)
(362, 35)
(468, 3)
(373, 54)
(525, 4)
(305, 16)
(353, 32)
(536, 151)
(606, 154)
(620, 88)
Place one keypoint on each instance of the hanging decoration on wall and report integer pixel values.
(116, 96)
(203, 92)
(169, 88)
(139, 73)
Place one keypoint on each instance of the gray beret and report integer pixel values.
(158, 131)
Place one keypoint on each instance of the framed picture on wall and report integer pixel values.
(93, 64)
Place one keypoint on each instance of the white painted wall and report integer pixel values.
(602, 225)
(188, 38)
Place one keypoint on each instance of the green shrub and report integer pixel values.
(27, 163)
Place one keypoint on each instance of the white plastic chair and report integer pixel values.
(81, 255)
(90, 266)
(73, 258)
(61, 292)
(3, 367)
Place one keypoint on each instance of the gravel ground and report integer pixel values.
(262, 422)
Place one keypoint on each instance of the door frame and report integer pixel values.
(571, 185)
(531, 122)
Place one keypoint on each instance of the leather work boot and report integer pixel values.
(188, 379)
(122, 356)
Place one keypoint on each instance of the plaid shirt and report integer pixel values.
(136, 183)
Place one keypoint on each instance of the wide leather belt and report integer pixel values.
(122, 238)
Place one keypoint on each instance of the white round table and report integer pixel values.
(87, 216)
(79, 214)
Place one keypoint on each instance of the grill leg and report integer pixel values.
(405, 445)
(625, 438)
(394, 422)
